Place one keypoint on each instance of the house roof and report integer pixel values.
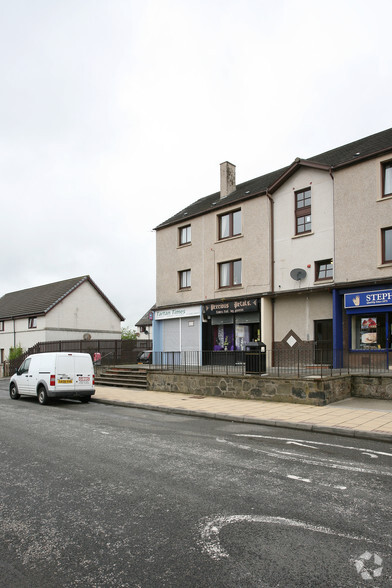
(145, 321)
(345, 155)
(41, 299)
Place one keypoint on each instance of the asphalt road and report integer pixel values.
(96, 495)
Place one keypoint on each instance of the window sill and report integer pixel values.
(322, 282)
(184, 245)
(303, 235)
(240, 287)
(386, 264)
(388, 197)
(229, 239)
(184, 289)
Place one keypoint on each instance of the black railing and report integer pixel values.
(277, 362)
(301, 362)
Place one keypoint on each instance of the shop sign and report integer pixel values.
(173, 313)
(231, 306)
(366, 299)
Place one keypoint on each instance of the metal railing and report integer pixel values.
(277, 363)
(300, 362)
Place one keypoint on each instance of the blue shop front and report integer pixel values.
(362, 319)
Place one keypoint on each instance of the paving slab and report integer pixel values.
(365, 418)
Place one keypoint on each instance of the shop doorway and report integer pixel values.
(323, 341)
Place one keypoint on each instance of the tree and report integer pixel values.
(128, 334)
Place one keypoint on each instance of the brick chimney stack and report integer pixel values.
(227, 179)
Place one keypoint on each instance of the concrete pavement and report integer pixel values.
(354, 417)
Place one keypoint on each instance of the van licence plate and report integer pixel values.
(64, 381)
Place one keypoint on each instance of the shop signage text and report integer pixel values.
(231, 306)
(365, 299)
(172, 313)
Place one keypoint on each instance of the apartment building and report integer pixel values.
(362, 297)
(277, 258)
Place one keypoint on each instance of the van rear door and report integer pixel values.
(84, 371)
(65, 374)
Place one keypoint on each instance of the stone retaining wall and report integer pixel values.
(313, 390)
(379, 387)
(316, 391)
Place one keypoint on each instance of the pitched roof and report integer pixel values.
(357, 150)
(145, 321)
(349, 154)
(41, 299)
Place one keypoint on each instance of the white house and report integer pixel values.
(145, 325)
(66, 310)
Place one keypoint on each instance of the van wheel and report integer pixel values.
(14, 392)
(42, 396)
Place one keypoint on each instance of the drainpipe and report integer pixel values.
(335, 328)
(13, 318)
(272, 252)
(272, 270)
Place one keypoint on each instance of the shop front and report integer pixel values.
(176, 330)
(363, 326)
(229, 326)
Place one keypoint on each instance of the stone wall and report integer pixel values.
(372, 387)
(316, 391)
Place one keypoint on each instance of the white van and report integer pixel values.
(54, 375)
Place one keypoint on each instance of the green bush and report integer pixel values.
(15, 352)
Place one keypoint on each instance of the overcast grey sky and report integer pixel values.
(115, 114)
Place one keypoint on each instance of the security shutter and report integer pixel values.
(247, 317)
(223, 319)
(171, 335)
(190, 334)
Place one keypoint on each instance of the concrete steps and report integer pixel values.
(126, 377)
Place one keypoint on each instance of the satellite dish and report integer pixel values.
(87, 337)
(298, 273)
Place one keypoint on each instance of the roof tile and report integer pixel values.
(344, 155)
